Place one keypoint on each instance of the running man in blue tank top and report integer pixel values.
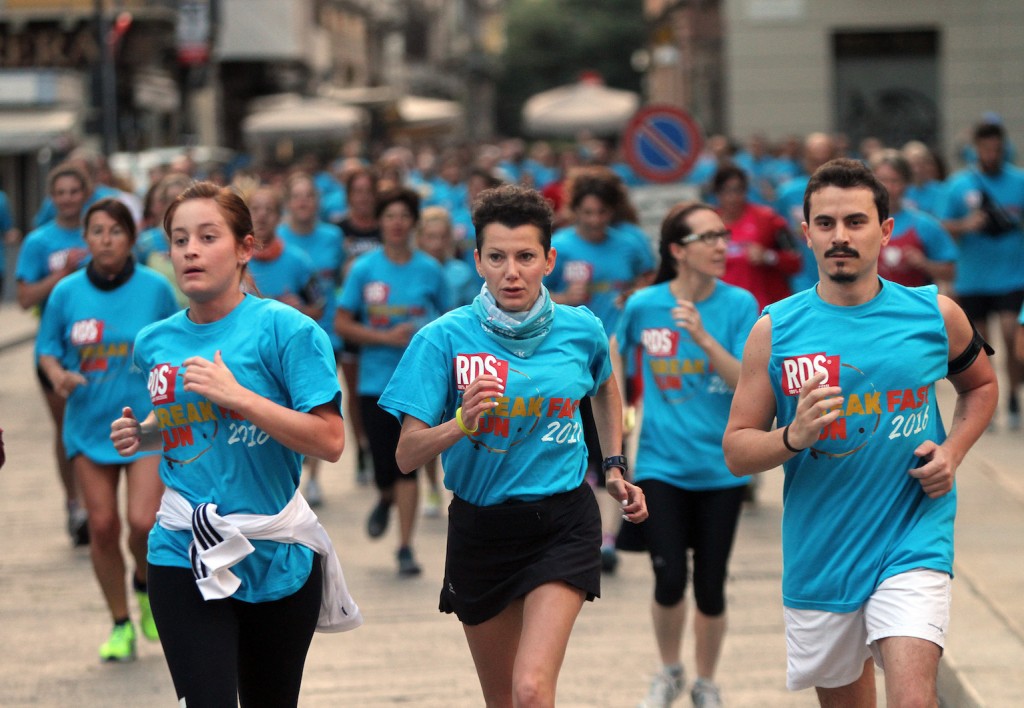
(848, 371)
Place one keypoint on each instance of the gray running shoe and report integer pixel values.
(705, 694)
(407, 564)
(665, 688)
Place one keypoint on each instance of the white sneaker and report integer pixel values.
(665, 688)
(314, 496)
(705, 694)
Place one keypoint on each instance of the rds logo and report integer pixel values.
(162, 378)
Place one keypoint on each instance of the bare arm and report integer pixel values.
(607, 407)
(349, 328)
(687, 317)
(977, 395)
(318, 433)
(419, 442)
(749, 443)
(130, 436)
(64, 381)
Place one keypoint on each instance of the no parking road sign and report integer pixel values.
(661, 143)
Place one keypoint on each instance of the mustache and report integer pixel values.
(842, 251)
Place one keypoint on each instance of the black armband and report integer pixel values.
(968, 355)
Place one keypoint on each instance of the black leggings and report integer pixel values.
(702, 520)
(221, 652)
(382, 432)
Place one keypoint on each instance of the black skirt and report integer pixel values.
(497, 554)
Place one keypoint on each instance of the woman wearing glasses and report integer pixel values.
(690, 328)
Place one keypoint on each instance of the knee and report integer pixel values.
(533, 690)
(139, 525)
(104, 531)
(669, 585)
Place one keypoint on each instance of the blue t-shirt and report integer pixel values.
(92, 331)
(463, 282)
(927, 197)
(381, 294)
(608, 268)
(46, 250)
(530, 446)
(988, 265)
(325, 247)
(852, 514)
(686, 403)
(212, 454)
(288, 274)
(789, 202)
(152, 240)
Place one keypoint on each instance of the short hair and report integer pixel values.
(894, 159)
(116, 210)
(726, 172)
(988, 129)
(438, 214)
(68, 169)
(358, 173)
(845, 173)
(512, 205)
(601, 184)
(406, 196)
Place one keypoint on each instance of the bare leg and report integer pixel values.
(911, 671)
(144, 492)
(407, 498)
(668, 630)
(55, 404)
(709, 633)
(99, 486)
(859, 694)
(548, 617)
(494, 644)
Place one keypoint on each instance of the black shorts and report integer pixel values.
(979, 307)
(498, 554)
(382, 432)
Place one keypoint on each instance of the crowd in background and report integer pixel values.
(335, 239)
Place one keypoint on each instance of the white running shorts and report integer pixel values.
(828, 649)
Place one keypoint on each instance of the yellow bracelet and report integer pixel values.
(462, 426)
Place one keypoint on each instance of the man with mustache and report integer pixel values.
(847, 370)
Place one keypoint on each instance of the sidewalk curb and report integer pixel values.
(955, 691)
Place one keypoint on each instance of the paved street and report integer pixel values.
(52, 617)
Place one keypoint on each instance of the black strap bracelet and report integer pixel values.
(785, 441)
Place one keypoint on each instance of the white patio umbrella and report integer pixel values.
(587, 105)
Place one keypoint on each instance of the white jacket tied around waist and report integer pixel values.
(219, 542)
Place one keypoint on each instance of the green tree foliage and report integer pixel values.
(551, 42)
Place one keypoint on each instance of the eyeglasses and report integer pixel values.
(708, 237)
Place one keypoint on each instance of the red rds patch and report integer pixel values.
(470, 366)
(578, 272)
(162, 378)
(376, 293)
(86, 332)
(796, 370)
(660, 341)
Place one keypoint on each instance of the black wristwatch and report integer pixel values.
(615, 461)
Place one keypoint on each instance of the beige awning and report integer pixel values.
(422, 112)
(297, 117)
(583, 106)
(30, 130)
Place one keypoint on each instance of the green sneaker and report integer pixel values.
(146, 622)
(121, 645)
